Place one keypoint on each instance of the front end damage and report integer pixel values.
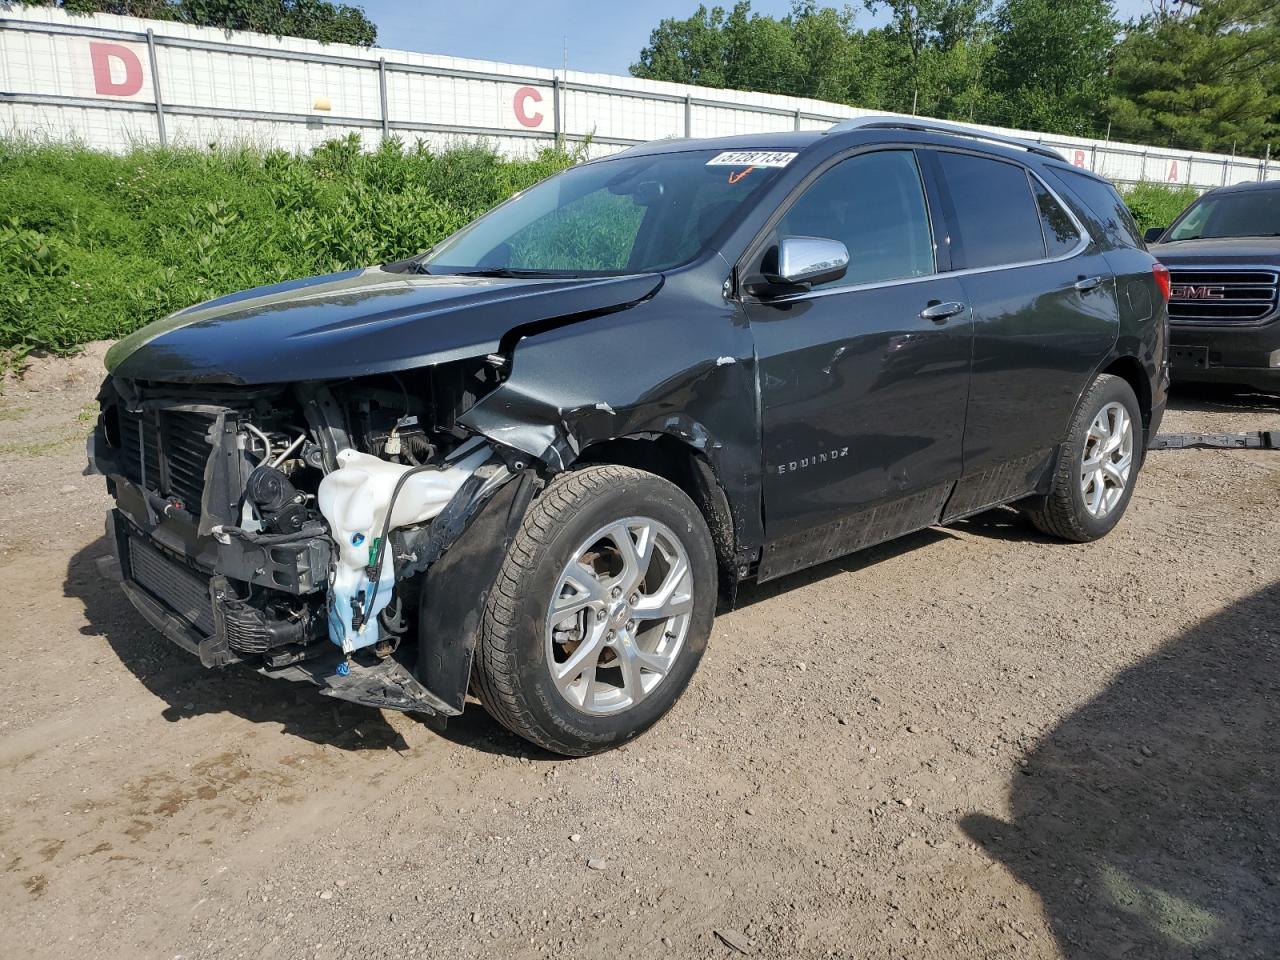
(344, 534)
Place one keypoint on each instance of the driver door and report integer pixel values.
(863, 380)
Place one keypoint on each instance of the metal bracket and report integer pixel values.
(1259, 440)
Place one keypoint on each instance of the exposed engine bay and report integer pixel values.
(286, 525)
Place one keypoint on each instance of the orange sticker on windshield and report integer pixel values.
(739, 175)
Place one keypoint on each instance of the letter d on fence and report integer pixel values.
(102, 56)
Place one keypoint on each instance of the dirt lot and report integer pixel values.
(973, 743)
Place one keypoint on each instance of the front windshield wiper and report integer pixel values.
(1224, 236)
(510, 273)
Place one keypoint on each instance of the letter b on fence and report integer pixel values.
(117, 71)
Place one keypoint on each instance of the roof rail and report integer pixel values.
(923, 124)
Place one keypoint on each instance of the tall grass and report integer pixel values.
(94, 245)
(1157, 205)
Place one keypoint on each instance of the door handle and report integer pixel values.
(1085, 284)
(942, 312)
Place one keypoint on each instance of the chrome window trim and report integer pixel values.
(1085, 240)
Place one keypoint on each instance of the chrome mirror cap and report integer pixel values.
(809, 260)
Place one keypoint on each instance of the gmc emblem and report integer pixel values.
(1187, 291)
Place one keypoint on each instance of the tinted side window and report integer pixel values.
(1060, 234)
(874, 204)
(1105, 204)
(998, 220)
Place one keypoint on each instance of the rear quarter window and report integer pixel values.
(1105, 204)
(997, 219)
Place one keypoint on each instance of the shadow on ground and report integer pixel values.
(1148, 821)
(1210, 396)
(189, 689)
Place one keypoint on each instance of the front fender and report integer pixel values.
(457, 588)
(663, 368)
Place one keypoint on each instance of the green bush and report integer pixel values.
(1158, 205)
(94, 245)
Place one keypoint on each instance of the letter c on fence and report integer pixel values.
(521, 105)
(102, 54)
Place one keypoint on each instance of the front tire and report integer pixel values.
(1097, 467)
(601, 611)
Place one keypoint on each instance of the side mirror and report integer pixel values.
(804, 261)
(1152, 234)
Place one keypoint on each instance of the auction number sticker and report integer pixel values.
(751, 158)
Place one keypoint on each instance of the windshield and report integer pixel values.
(1255, 213)
(629, 215)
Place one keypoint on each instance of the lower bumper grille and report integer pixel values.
(184, 591)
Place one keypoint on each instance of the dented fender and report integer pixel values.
(683, 367)
(457, 585)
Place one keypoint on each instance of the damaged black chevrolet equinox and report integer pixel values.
(531, 463)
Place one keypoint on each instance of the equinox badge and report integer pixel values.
(803, 463)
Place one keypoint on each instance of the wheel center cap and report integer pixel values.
(619, 614)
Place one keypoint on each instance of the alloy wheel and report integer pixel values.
(1107, 460)
(619, 615)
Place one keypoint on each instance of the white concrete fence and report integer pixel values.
(112, 82)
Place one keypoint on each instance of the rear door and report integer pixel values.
(1045, 316)
(862, 396)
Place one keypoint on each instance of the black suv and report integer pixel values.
(1223, 255)
(532, 461)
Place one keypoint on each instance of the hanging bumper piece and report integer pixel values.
(1258, 440)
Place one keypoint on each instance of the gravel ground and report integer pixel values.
(972, 743)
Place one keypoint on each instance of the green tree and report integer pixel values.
(760, 53)
(1048, 69)
(933, 52)
(1194, 73)
(310, 19)
(928, 50)
(1207, 80)
(686, 51)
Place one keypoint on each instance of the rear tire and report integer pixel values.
(586, 642)
(1097, 467)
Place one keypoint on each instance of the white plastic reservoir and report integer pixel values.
(354, 499)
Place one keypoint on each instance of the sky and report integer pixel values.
(604, 36)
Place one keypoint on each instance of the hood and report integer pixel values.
(1224, 251)
(356, 323)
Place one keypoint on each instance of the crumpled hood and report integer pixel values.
(354, 324)
(1222, 250)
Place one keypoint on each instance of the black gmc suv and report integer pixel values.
(531, 462)
(1223, 255)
